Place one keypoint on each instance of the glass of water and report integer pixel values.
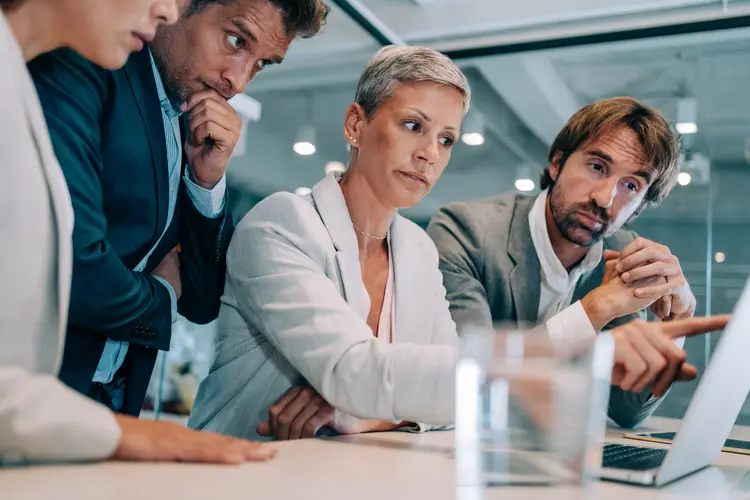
(529, 411)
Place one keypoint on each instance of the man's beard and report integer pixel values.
(568, 221)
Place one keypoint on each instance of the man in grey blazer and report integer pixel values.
(562, 259)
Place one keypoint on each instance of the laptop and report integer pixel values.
(708, 421)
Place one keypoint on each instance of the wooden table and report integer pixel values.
(387, 466)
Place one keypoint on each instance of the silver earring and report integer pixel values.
(352, 139)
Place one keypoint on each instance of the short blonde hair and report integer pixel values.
(396, 63)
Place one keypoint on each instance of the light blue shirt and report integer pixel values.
(210, 203)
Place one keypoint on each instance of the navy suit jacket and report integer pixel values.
(108, 135)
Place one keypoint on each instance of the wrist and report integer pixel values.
(207, 183)
(597, 310)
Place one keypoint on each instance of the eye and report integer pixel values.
(597, 167)
(235, 41)
(412, 125)
(448, 142)
(632, 186)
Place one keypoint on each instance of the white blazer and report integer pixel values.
(294, 311)
(40, 418)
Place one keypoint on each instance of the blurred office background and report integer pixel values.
(531, 64)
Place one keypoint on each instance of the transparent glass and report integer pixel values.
(529, 411)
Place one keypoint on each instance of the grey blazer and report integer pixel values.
(294, 312)
(40, 418)
(492, 273)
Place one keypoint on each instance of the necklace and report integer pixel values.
(369, 235)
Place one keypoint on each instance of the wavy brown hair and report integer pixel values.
(660, 145)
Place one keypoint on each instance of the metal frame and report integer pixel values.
(383, 35)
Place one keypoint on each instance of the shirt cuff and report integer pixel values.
(572, 324)
(172, 296)
(209, 203)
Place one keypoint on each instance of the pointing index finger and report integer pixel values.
(694, 326)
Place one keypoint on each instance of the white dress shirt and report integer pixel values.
(565, 322)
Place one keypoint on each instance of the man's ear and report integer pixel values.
(555, 165)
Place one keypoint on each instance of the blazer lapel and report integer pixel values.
(409, 285)
(525, 277)
(61, 208)
(330, 204)
(141, 78)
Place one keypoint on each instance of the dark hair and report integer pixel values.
(8, 3)
(304, 18)
(660, 145)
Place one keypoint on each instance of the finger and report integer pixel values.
(238, 451)
(649, 351)
(675, 358)
(292, 410)
(634, 246)
(610, 254)
(656, 291)
(278, 407)
(630, 362)
(649, 270)
(325, 416)
(209, 117)
(257, 452)
(212, 106)
(199, 97)
(661, 307)
(694, 326)
(221, 136)
(641, 257)
(687, 372)
(264, 429)
(308, 412)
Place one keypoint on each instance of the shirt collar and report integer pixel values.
(552, 269)
(171, 109)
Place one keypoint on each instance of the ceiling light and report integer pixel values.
(335, 166)
(687, 128)
(473, 139)
(684, 178)
(304, 144)
(687, 116)
(720, 257)
(473, 129)
(525, 185)
(302, 191)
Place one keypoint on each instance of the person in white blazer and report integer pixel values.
(335, 289)
(41, 420)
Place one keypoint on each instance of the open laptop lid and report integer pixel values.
(717, 401)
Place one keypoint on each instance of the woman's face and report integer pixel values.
(405, 146)
(107, 31)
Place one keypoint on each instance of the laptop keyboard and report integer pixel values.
(618, 456)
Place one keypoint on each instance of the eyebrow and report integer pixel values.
(245, 30)
(601, 155)
(249, 34)
(428, 119)
(646, 175)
